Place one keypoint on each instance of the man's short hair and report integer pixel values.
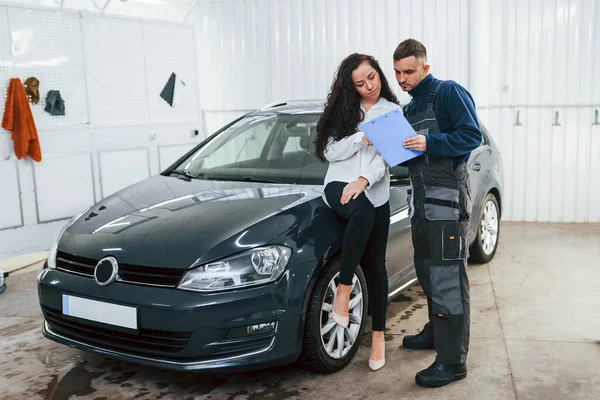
(410, 47)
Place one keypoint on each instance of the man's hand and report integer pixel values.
(416, 142)
(353, 190)
(366, 141)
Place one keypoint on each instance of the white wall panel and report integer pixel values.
(64, 186)
(170, 49)
(122, 168)
(594, 174)
(116, 76)
(276, 49)
(48, 45)
(6, 64)
(233, 54)
(542, 62)
(167, 155)
(11, 214)
(546, 181)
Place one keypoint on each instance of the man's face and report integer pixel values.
(410, 71)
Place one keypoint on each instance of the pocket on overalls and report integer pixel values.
(453, 243)
(446, 293)
(441, 203)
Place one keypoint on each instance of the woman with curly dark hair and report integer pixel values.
(357, 186)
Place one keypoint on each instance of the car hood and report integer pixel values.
(173, 222)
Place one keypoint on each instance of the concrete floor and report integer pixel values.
(535, 335)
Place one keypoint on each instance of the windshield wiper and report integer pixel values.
(186, 174)
(250, 179)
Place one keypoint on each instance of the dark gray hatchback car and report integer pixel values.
(229, 258)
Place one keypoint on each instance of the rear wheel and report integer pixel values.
(488, 232)
(327, 347)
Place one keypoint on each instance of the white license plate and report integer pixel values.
(99, 311)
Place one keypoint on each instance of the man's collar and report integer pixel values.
(424, 87)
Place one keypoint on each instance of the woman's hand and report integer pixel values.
(353, 190)
(366, 141)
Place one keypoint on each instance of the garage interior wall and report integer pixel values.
(529, 65)
(110, 69)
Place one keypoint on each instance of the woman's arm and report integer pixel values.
(344, 148)
(374, 170)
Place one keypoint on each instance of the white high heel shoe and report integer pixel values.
(375, 365)
(341, 321)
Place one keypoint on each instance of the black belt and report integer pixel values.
(443, 203)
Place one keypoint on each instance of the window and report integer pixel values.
(245, 145)
(269, 147)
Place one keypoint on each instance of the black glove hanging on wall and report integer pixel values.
(55, 105)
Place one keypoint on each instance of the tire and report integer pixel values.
(315, 356)
(482, 250)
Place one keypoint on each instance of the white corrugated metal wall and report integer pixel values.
(253, 52)
(528, 63)
(540, 96)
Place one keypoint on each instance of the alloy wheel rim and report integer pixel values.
(489, 227)
(338, 341)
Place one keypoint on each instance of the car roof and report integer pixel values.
(310, 106)
(297, 106)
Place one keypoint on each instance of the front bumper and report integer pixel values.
(184, 330)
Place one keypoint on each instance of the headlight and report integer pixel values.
(54, 249)
(52, 254)
(250, 268)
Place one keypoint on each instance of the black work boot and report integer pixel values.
(422, 341)
(439, 374)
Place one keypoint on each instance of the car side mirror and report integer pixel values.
(399, 176)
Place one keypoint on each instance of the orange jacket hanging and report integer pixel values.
(19, 120)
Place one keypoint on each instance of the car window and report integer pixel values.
(246, 145)
(270, 148)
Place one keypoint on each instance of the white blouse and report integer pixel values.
(349, 159)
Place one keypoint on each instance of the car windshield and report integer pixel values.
(274, 148)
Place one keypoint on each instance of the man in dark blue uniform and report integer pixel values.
(444, 117)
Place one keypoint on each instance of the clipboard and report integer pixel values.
(387, 133)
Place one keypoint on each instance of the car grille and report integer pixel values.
(147, 341)
(128, 273)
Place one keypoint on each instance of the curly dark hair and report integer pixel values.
(342, 112)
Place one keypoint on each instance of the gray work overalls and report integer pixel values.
(439, 201)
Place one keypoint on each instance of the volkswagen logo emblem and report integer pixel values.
(106, 271)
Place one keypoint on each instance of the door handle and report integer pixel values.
(477, 166)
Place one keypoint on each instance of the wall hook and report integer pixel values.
(518, 121)
(596, 122)
(556, 123)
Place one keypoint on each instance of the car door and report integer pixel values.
(399, 255)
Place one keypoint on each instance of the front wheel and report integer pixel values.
(327, 347)
(488, 232)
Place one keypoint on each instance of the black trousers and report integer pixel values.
(364, 242)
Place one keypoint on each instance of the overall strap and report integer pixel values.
(433, 95)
